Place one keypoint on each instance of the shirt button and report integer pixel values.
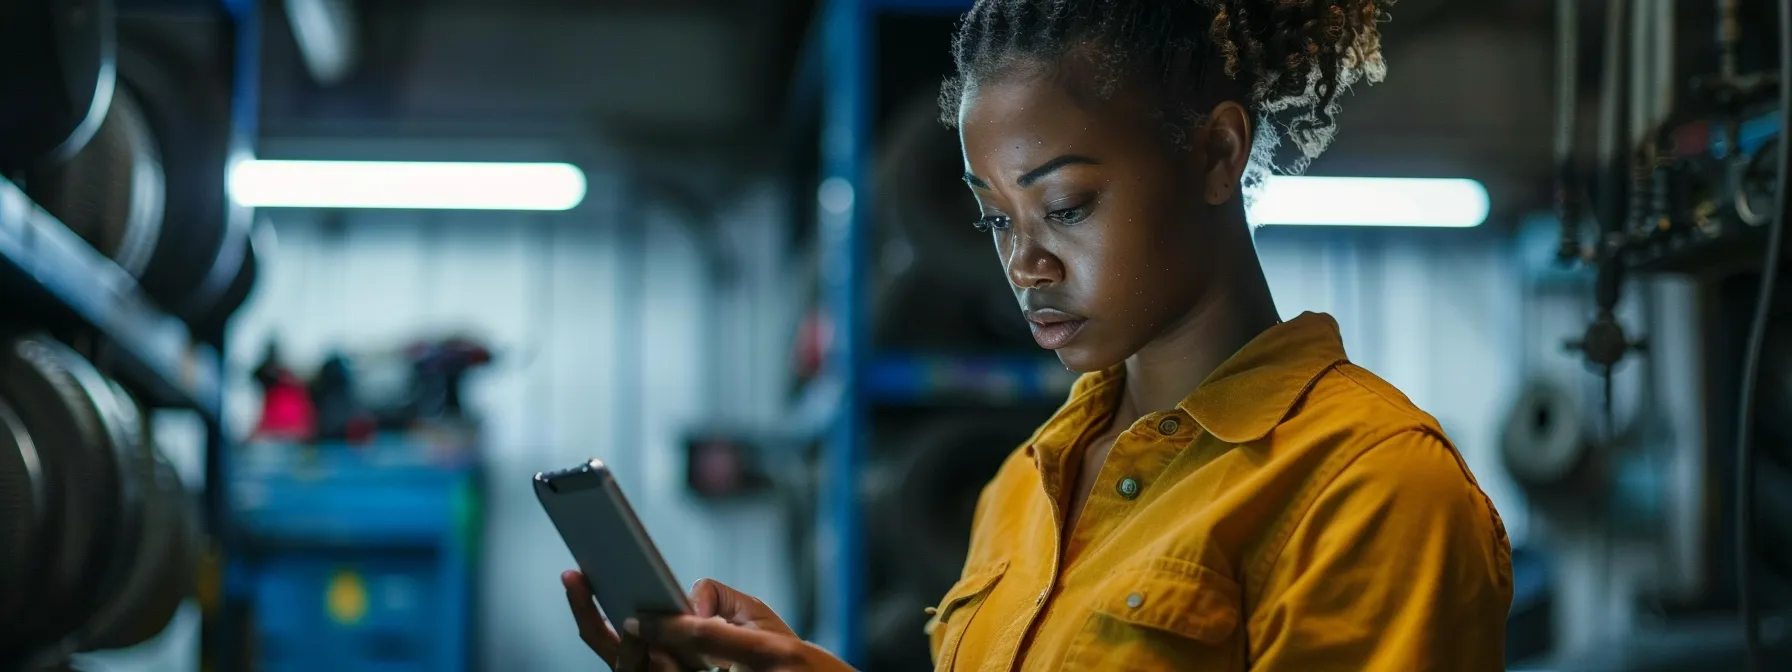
(1168, 426)
(1128, 487)
(1134, 600)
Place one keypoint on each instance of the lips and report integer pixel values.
(1053, 329)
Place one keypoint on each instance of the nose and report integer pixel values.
(1030, 265)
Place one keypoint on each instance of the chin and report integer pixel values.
(1084, 359)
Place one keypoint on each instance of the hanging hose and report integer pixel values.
(1757, 336)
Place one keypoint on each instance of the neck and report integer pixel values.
(1164, 372)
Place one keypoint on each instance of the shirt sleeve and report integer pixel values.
(1401, 563)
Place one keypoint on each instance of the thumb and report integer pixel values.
(712, 598)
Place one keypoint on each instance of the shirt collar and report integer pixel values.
(1253, 390)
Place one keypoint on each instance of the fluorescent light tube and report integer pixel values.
(1370, 201)
(406, 184)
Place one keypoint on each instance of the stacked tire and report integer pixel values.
(98, 537)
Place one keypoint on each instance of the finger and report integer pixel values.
(704, 600)
(664, 662)
(675, 659)
(592, 628)
(685, 660)
(710, 597)
(710, 637)
(714, 598)
(633, 656)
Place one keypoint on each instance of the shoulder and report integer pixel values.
(1392, 474)
(1351, 395)
(1379, 439)
(1407, 501)
(1375, 453)
(1416, 471)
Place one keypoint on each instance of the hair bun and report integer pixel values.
(1290, 58)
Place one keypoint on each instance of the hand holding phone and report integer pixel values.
(728, 628)
(621, 569)
(735, 627)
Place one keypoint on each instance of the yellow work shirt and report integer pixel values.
(1294, 513)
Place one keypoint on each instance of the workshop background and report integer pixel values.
(298, 295)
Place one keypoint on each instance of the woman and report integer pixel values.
(1222, 490)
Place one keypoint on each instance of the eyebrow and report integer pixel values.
(1039, 173)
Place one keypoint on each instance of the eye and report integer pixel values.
(1068, 216)
(987, 223)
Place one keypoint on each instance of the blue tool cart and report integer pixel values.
(357, 558)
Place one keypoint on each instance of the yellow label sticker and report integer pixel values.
(346, 598)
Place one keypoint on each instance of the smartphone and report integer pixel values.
(626, 573)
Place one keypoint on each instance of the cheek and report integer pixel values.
(1124, 261)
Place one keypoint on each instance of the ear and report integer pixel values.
(1226, 150)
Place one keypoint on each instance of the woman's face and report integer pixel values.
(1105, 243)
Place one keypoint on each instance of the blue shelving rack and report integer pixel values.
(841, 56)
(845, 124)
(224, 638)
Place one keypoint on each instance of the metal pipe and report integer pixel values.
(1611, 164)
(1663, 39)
(1640, 122)
(1567, 65)
(1614, 164)
(1641, 80)
(1662, 98)
(1567, 91)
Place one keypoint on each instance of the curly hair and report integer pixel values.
(1285, 60)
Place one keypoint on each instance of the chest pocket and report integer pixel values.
(1167, 614)
(955, 610)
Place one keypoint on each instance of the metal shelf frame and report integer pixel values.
(45, 263)
(224, 637)
(847, 67)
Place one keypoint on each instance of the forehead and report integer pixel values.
(1014, 123)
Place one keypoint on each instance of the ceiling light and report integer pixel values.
(1370, 201)
(406, 184)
